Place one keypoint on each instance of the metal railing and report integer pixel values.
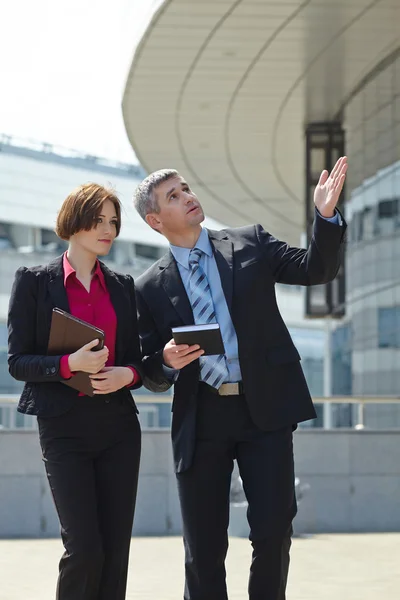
(360, 401)
(11, 420)
(10, 402)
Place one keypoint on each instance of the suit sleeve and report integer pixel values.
(317, 264)
(156, 379)
(148, 369)
(23, 363)
(133, 356)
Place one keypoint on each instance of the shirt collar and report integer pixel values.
(69, 270)
(181, 255)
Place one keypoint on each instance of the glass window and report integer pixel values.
(341, 348)
(146, 251)
(387, 209)
(357, 227)
(5, 240)
(368, 221)
(310, 344)
(389, 327)
(8, 385)
(387, 216)
(50, 242)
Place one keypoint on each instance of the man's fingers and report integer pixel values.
(190, 350)
(323, 177)
(339, 185)
(343, 170)
(186, 360)
(171, 345)
(179, 356)
(183, 350)
(338, 166)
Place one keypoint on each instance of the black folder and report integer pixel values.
(208, 337)
(68, 334)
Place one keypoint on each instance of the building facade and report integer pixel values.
(370, 338)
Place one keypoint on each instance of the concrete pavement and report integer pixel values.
(324, 567)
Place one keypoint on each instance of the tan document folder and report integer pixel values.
(68, 334)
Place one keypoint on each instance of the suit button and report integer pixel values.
(107, 401)
(47, 371)
(53, 369)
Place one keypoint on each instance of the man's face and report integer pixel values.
(179, 209)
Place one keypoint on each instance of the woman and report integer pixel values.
(90, 445)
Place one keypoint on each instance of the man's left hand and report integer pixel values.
(111, 379)
(329, 187)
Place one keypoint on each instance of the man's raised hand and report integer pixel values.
(329, 186)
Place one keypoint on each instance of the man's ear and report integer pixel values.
(153, 220)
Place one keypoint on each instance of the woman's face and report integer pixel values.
(99, 239)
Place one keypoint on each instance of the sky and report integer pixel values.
(63, 66)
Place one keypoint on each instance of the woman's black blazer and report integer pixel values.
(36, 291)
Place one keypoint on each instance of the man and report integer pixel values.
(242, 405)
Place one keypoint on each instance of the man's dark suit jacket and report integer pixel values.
(36, 291)
(250, 261)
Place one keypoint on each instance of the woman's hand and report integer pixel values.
(111, 379)
(86, 360)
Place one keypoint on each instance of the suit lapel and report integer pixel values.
(172, 283)
(223, 252)
(56, 284)
(119, 301)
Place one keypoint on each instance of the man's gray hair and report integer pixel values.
(144, 198)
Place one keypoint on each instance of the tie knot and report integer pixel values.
(194, 256)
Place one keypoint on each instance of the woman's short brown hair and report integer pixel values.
(81, 208)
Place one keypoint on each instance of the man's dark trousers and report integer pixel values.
(224, 432)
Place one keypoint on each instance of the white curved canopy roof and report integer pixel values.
(222, 91)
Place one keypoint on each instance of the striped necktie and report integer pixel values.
(213, 369)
